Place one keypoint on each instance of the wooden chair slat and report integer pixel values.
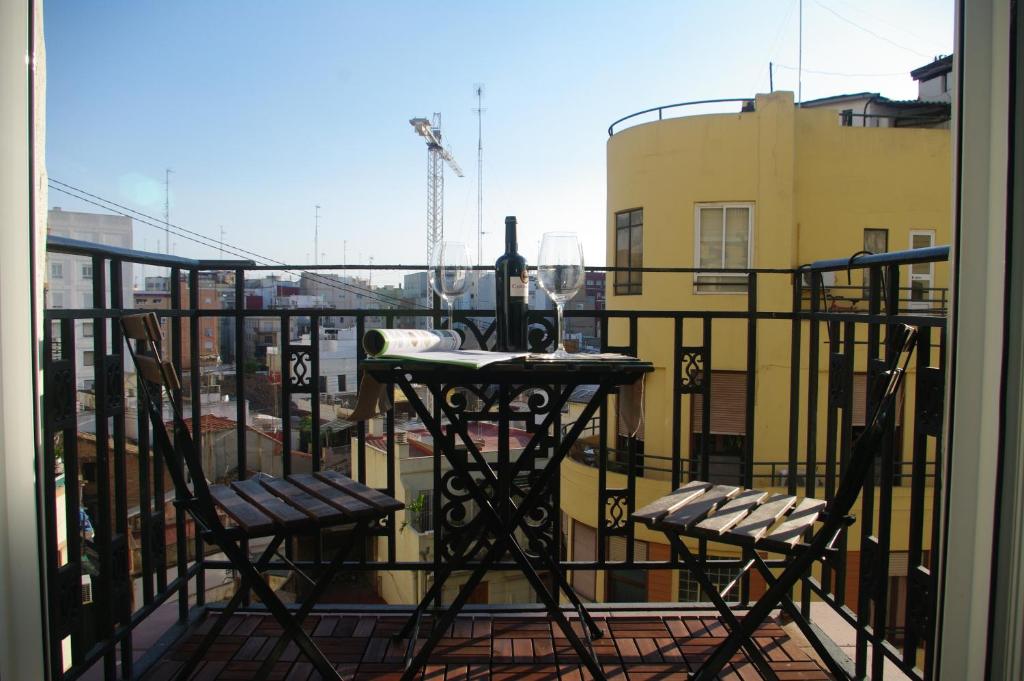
(315, 508)
(149, 368)
(375, 498)
(143, 327)
(661, 507)
(353, 507)
(695, 511)
(285, 515)
(784, 537)
(731, 512)
(761, 519)
(251, 519)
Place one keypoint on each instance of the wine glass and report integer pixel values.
(449, 273)
(560, 273)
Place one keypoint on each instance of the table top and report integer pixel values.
(573, 370)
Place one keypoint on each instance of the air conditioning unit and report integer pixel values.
(86, 589)
(827, 279)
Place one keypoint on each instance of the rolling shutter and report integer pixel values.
(728, 404)
(860, 391)
(584, 547)
(617, 549)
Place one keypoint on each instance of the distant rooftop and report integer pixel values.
(936, 68)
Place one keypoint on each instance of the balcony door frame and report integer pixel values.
(23, 634)
(980, 621)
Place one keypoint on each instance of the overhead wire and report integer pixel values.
(337, 285)
(838, 73)
(203, 240)
(872, 33)
(234, 250)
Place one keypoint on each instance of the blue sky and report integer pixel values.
(264, 109)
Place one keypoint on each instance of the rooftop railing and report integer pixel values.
(746, 104)
(142, 552)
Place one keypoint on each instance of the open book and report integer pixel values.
(440, 346)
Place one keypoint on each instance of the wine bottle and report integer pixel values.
(511, 295)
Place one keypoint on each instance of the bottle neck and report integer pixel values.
(510, 236)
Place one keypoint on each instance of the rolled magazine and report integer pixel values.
(389, 342)
(421, 345)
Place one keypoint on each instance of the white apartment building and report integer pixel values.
(69, 278)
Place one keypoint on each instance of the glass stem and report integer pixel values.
(451, 315)
(561, 328)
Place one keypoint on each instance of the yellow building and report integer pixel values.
(773, 187)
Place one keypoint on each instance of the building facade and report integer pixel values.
(775, 186)
(69, 279)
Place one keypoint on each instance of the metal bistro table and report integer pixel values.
(510, 495)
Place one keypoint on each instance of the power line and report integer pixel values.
(233, 250)
(838, 73)
(203, 240)
(893, 26)
(872, 33)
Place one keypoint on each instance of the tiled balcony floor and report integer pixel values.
(636, 647)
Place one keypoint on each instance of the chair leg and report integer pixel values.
(794, 612)
(278, 609)
(770, 600)
(225, 614)
(718, 660)
(587, 657)
(322, 582)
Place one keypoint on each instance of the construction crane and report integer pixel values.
(430, 130)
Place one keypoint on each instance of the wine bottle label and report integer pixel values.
(519, 287)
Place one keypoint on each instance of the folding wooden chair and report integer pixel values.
(264, 507)
(775, 523)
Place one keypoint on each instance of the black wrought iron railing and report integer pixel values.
(727, 372)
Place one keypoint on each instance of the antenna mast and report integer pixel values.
(479, 90)
(316, 235)
(800, 59)
(167, 210)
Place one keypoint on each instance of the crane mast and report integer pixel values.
(437, 156)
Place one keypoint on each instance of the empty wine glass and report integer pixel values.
(449, 273)
(560, 274)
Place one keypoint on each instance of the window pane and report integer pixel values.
(918, 290)
(622, 220)
(876, 240)
(622, 248)
(636, 247)
(710, 237)
(737, 221)
(637, 217)
(921, 241)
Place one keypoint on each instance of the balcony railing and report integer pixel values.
(811, 355)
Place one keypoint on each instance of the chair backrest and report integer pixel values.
(159, 374)
(870, 443)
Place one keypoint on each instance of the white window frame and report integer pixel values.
(749, 205)
(86, 271)
(929, 278)
(56, 270)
